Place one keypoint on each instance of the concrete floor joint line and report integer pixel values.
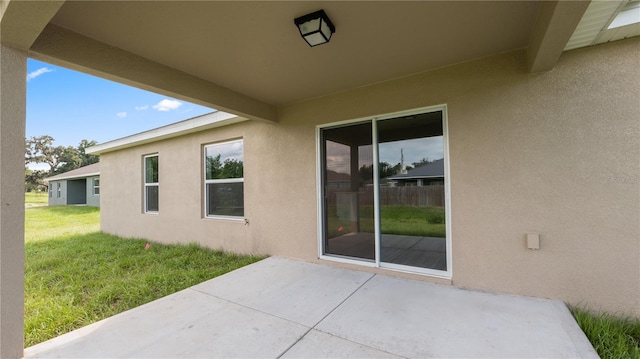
(373, 275)
(250, 308)
(323, 318)
(294, 343)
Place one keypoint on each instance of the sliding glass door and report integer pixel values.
(348, 196)
(411, 187)
(383, 192)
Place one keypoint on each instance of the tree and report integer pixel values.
(365, 173)
(34, 180)
(69, 159)
(231, 168)
(387, 170)
(60, 159)
(87, 159)
(214, 167)
(41, 150)
(384, 168)
(422, 162)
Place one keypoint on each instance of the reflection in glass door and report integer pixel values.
(383, 192)
(348, 191)
(411, 187)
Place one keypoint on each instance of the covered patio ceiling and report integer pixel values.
(247, 57)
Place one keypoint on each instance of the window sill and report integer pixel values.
(228, 218)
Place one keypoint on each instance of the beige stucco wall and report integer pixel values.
(180, 217)
(556, 153)
(13, 70)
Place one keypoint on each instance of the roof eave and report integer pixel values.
(196, 124)
(54, 178)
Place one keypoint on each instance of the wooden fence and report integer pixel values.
(414, 196)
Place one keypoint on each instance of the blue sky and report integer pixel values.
(70, 106)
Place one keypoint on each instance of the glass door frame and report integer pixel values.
(447, 193)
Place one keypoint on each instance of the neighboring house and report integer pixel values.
(78, 187)
(430, 174)
(336, 180)
(534, 105)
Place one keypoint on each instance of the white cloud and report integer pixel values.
(121, 114)
(41, 71)
(142, 108)
(167, 105)
(414, 150)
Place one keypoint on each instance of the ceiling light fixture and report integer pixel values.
(315, 28)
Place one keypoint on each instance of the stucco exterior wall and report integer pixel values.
(556, 153)
(13, 85)
(180, 217)
(92, 199)
(54, 200)
(67, 195)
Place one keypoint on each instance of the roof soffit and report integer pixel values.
(247, 57)
(21, 22)
(254, 49)
(594, 25)
(73, 50)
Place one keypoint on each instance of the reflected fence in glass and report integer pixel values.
(410, 183)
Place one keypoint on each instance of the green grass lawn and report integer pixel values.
(413, 221)
(45, 223)
(36, 198)
(403, 220)
(76, 275)
(611, 336)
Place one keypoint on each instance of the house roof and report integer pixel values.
(333, 176)
(431, 170)
(195, 124)
(86, 171)
(247, 57)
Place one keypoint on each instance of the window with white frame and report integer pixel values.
(59, 187)
(224, 179)
(151, 184)
(96, 186)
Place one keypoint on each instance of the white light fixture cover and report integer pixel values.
(315, 28)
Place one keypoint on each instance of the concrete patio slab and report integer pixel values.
(292, 290)
(318, 344)
(285, 308)
(187, 324)
(423, 320)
